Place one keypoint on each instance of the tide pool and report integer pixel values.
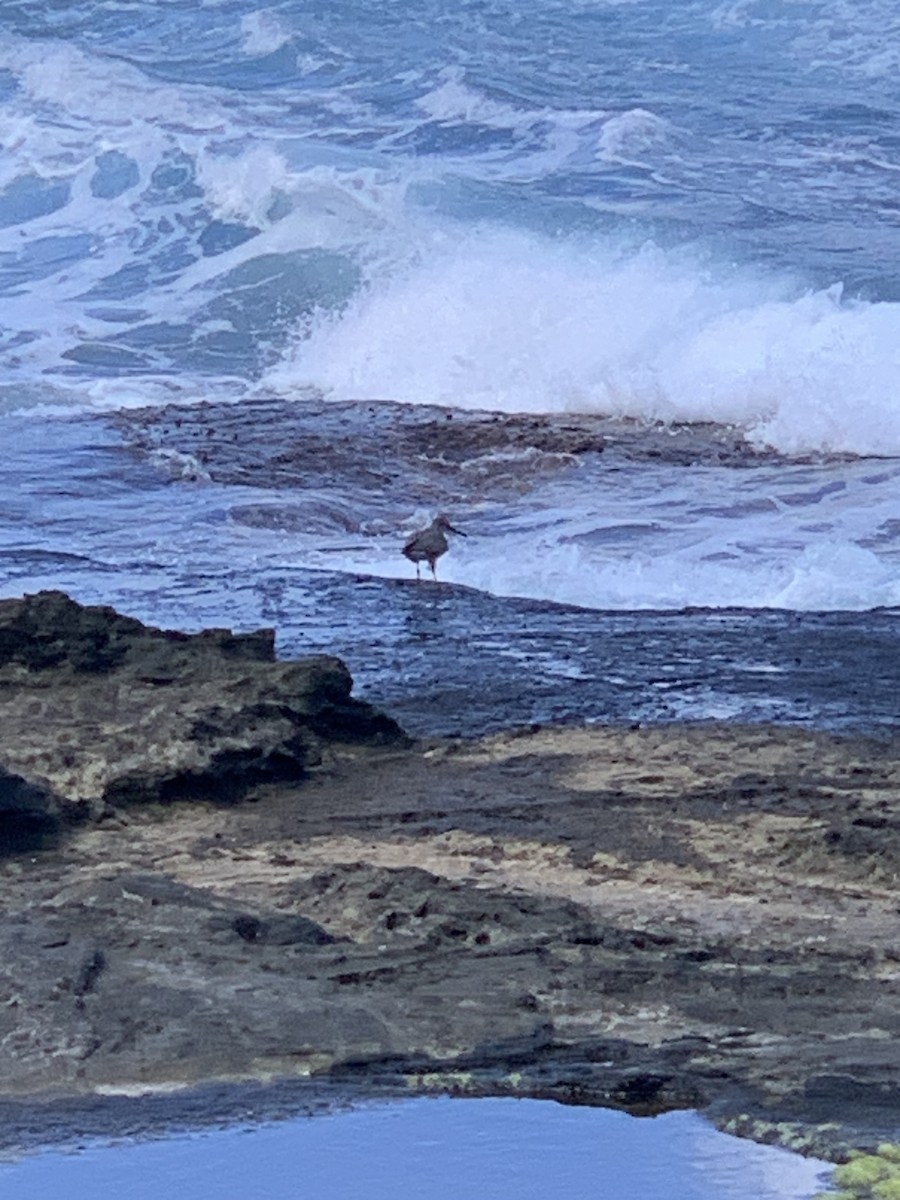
(428, 1149)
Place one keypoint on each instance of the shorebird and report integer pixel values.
(429, 544)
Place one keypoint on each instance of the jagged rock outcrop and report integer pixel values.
(97, 709)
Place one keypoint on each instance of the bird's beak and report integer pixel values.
(453, 529)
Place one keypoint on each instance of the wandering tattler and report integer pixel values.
(429, 544)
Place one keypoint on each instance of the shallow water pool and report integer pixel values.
(428, 1149)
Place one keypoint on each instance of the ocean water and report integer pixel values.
(666, 211)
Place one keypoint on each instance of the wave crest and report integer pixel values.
(509, 322)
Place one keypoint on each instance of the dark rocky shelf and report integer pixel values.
(694, 916)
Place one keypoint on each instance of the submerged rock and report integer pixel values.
(98, 708)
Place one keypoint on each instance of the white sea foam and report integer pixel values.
(856, 38)
(94, 89)
(627, 134)
(186, 159)
(736, 14)
(456, 101)
(507, 321)
(263, 32)
(243, 186)
(825, 575)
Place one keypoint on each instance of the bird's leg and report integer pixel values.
(431, 563)
(418, 576)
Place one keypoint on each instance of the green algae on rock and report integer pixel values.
(867, 1176)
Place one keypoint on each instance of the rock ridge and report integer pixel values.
(98, 709)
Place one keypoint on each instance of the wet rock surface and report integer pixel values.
(415, 650)
(686, 916)
(415, 454)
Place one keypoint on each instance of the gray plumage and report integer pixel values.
(429, 544)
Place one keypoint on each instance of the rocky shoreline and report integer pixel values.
(222, 868)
